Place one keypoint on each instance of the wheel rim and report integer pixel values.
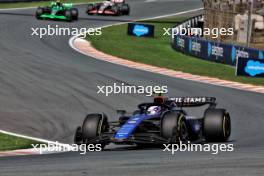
(226, 126)
(183, 134)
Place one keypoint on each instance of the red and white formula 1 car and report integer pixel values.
(109, 7)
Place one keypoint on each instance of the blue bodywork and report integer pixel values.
(130, 126)
(134, 121)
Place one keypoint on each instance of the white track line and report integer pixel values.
(32, 151)
(147, 1)
(140, 19)
(20, 8)
(72, 46)
(30, 138)
(21, 135)
(201, 79)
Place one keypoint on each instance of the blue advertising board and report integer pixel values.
(140, 30)
(181, 43)
(250, 67)
(197, 47)
(214, 51)
(217, 52)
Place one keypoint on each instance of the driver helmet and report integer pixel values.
(152, 110)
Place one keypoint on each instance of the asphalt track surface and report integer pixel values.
(47, 88)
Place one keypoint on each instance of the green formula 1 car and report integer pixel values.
(57, 11)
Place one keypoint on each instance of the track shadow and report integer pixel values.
(131, 148)
(15, 14)
(160, 147)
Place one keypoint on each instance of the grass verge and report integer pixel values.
(158, 52)
(40, 3)
(8, 142)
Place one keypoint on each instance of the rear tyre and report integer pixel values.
(116, 10)
(173, 127)
(74, 13)
(93, 126)
(217, 125)
(68, 15)
(125, 9)
(39, 12)
(78, 139)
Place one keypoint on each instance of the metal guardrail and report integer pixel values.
(192, 22)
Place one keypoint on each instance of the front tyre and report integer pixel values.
(68, 15)
(217, 125)
(93, 126)
(173, 127)
(78, 137)
(39, 12)
(74, 13)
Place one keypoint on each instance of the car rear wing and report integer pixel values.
(193, 101)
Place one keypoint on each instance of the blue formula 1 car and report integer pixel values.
(159, 122)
